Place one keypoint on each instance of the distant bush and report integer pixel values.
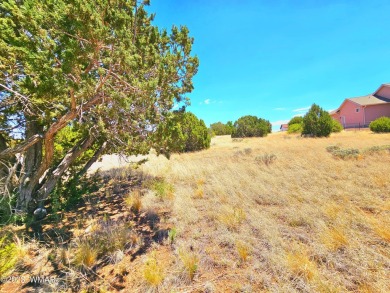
(380, 125)
(182, 132)
(295, 128)
(332, 148)
(220, 128)
(317, 122)
(267, 159)
(296, 120)
(336, 126)
(251, 126)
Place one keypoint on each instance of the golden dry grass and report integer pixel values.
(273, 214)
(313, 222)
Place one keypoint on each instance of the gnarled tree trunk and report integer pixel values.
(31, 163)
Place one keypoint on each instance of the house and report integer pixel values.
(360, 111)
(284, 127)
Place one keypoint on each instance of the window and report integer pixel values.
(357, 110)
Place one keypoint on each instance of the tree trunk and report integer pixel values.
(53, 178)
(31, 163)
(95, 157)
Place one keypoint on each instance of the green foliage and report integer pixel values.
(381, 124)
(9, 255)
(220, 128)
(295, 128)
(251, 126)
(336, 126)
(296, 120)
(317, 122)
(88, 69)
(163, 189)
(172, 235)
(183, 132)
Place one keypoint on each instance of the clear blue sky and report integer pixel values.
(273, 59)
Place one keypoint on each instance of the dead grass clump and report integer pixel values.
(243, 250)
(134, 201)
(381, 228)
(232, 217)
(334, 238)
(300, 265)
(153, 271)
(199, 192)
(190, 261)
(85, 255)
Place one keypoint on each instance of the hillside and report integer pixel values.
(275, 214)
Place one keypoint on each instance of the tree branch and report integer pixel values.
(22, 147)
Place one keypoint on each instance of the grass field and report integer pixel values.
(283, 214)
(275, 214)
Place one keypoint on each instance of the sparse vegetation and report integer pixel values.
(267, 159)
(9, 256)
(163, 189)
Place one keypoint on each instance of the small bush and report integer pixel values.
(267, 159)
(332, 148)
(295, 128)
(346, 153)
(317, 122)
(251, 126)
(380, 125)
(377, 149)
(336, 126)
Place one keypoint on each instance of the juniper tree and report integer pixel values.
(99, 67)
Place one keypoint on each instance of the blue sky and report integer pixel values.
(273, 59)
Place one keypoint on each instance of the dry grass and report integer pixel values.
(134, 201)
(307, 221)
(153, 271)
(336, 212)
